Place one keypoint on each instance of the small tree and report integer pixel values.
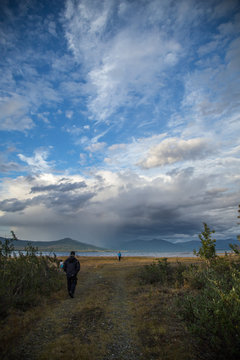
(7, 247)
(207, 250)
(236, 248)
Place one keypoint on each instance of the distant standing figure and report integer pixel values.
(71, 267)
(119, 256)
(61, 264)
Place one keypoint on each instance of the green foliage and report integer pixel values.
(159, 271)
(213, 313)
(209, 300)
(26, 278)
(236, 248)
(164, 273)
(6, 248)
(207, 250)
(194, 277)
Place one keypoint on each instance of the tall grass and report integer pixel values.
(208, 302)
(26, 278)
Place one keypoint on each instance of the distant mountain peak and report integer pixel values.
(66, 244)
(167, 246)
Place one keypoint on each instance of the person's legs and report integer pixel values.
(73, 284)
(69, 282)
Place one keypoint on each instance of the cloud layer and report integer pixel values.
(119, 119)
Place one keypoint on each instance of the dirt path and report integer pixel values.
(124, 344)
(96, 325)
(56, 321)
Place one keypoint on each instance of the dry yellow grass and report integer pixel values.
(112, 316)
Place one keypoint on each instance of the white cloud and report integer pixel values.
(44, 117)
(143, 60)
(69, 114)
(52, 28)
(13, 114)
(22, 124)
(117, 147)
(96, 146)
(83, 159)
(127, 68)
(131, 204)
(74, 130)
(37, 163)
(173, 150)
(126, 156)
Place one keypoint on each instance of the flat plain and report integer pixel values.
(112, 316)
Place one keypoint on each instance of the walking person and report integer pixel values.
(71, 267)
(119, 255)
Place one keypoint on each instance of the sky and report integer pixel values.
(119, 119)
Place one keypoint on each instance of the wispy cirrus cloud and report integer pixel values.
(98, 146)
(126, 67)
(38, 162)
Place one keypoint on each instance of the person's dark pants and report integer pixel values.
(71, 284)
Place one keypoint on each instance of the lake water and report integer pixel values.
(133, 253)
(124, 254)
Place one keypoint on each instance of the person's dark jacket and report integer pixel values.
(71, 266)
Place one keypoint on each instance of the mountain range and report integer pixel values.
(63, 245)
(166, 246)
(159, 245)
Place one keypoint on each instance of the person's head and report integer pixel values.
(72, 253)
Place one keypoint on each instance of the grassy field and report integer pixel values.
(113, 316)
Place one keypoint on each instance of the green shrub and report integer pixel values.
(213, 315)
(164, 273)
(207, 250)
(178, 274)
(194, 277)
(26, 278)
(159, 271)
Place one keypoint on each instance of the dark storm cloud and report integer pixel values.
(60, 202)
(14, 205)
(163, 210)
(59, 187)
(65, 202)
(172, 208)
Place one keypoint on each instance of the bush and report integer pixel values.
(26, 278)
(194, 277)
(207, 250)
(213, 316)
(159, 271)
(164, 273)
(178, 271)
